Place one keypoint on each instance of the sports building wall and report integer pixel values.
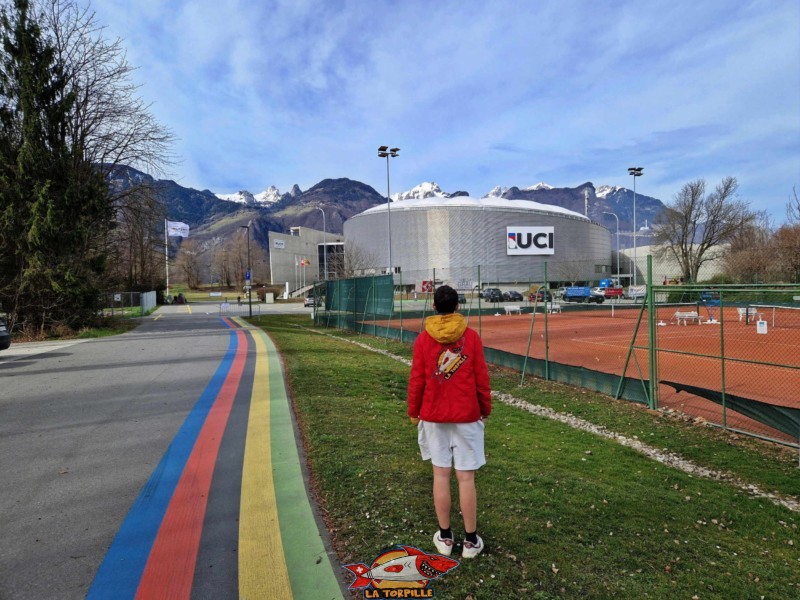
(456, 235)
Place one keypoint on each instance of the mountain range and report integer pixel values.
(211, 215)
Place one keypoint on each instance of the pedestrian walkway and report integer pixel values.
(226, 512)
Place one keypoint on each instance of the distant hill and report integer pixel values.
(210, 216)
(605, 199)
(183, 204)
(215, 216)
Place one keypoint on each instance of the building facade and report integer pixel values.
(297, 258)
(468, 242)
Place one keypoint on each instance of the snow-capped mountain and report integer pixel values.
(604, 191)
(269, 196)
(496, 192)
(423, 190)
(539, 186)
(499, 190)
(242, 197)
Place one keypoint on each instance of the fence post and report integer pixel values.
(480, 329)
(722, 357)
(651, 328)
(401, 305)
(546, 328)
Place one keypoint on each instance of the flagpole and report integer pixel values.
(166, 256)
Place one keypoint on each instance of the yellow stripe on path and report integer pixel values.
(262, 565)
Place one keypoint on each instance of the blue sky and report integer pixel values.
(476, 94)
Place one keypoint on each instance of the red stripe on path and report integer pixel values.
(170, 567)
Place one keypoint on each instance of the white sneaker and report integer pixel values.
(472, 550)
(443, 545)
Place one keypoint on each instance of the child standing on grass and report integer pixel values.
(449, 398)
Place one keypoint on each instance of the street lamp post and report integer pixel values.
(250, 282)
(617, 218)
(634, 172)
(324, 243)
(386, 152)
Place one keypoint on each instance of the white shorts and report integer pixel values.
(452, 444)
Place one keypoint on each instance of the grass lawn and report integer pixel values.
(564, 513)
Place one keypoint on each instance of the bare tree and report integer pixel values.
(260, 264)
(109, 123)
(793, 209)
(785, 252)
(694, 226)
(571, 270)
(137, 243)
(219, 269)
(355, 261)
(748, 257)
(189, 263)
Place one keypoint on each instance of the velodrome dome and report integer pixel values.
(510, 240)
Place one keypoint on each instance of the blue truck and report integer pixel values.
(582, 294)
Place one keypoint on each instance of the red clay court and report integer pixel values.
(687, 353)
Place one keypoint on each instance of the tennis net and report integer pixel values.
(663, 311)
(777, 316)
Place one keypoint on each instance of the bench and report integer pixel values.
(553, 308)
(749, 313)
(513, 310)
(686, 316)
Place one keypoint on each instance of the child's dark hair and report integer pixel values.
(445, 300)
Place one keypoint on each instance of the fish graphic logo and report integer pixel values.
(449, 361)
(401, 567)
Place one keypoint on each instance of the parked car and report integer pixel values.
(5, 335)
(309, 301)
(493, 295)
(540, 295)
(512, 296)
(462, 299)
(634, 292)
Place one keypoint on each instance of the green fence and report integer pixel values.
(725, 354)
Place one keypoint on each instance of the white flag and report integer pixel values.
(177, 228)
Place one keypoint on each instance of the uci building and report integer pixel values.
(467, 242)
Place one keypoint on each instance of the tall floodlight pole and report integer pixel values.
(250, 286)
(617, 218)
(324, 244)
(634, 172)
(386, 152)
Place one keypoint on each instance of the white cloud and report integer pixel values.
(476, 94)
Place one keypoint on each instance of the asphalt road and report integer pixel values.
(82, 426)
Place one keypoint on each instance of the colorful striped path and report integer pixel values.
(225, 514)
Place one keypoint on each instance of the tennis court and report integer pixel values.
(757, 366)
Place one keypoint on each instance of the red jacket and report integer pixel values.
(449, 380)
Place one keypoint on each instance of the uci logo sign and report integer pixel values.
(530, 240)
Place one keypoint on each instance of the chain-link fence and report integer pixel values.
(127, 304)
(725, 353)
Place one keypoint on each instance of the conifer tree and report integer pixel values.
(54, 206)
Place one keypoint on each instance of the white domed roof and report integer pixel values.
(475, 203)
